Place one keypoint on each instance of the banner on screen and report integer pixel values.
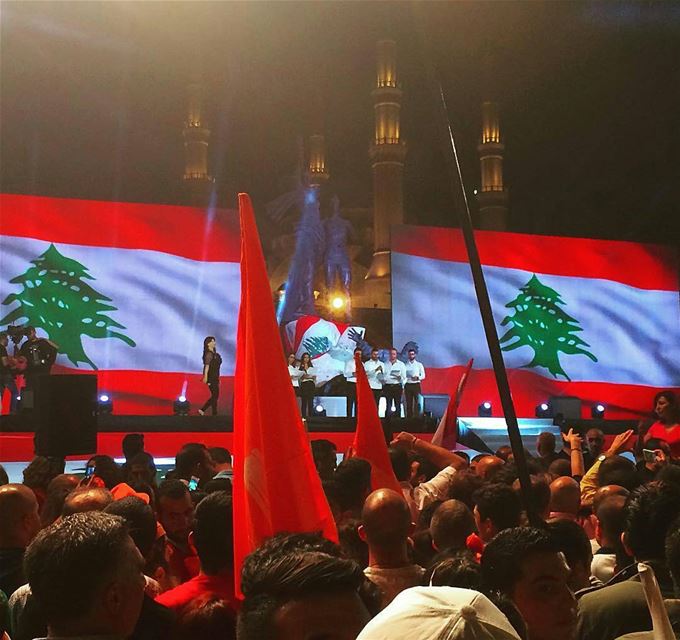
(590, 318)
(128, 291)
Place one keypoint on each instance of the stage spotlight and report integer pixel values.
(104, 405)
(597, 411)
(337, 302)
(484, 409)
(319, 410)
(181, 406)
(544, 410)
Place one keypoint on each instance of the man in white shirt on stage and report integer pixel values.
(415, 374)
(351, 383)
(374, 371)
(394, 376)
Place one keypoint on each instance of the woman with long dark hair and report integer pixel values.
(307, 384)
(667, 425)
(211, 374)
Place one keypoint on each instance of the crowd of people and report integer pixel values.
(393, 379)
(460, 552)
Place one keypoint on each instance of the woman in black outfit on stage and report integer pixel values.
(211, 374)
(307, 384)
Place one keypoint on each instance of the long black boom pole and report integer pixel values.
(450, 151)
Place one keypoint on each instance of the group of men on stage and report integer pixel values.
(390, 380)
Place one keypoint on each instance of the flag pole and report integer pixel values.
(450, 151)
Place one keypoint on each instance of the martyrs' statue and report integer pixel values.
(337, 264)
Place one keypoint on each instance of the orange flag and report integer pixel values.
(446, 434)
(369, 439)
(276, 485)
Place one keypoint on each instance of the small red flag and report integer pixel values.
(276, 485)
(446, 434)
(369, 438)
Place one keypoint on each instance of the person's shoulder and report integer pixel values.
(207, 357)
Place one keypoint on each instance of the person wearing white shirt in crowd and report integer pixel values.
(294, 373)
(351, 383)
(374, 370)
(415, 374)
(307, 384)
(394, 376)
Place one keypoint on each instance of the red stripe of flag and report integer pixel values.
(644, 266)
(188, 232)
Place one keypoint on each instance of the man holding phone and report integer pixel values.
(655, 456)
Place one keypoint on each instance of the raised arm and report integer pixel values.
(438, 456)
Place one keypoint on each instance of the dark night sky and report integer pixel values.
(92, 98)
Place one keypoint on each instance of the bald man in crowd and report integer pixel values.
(385, 527)
(86, 499)
(488, 466)
(19, 524)
(565, 499)
(451, 525)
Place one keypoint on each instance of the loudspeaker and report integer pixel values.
(65, 415)
(435, 404)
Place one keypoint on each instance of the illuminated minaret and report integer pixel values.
(197, 181)
(316, 168)
(492, 195)
(387, 153)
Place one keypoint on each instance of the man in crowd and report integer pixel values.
(176, 515)
(19, 523)
(86, 499)
(565, 499)
(221, 458)
(610, 557)
(294, 591)
(620, 607)
(212, 536)
(193, 461)
(657, 454)
(385, 527)
(324, 453)
(394, 376)
(545, 447)
(497, 508)
(415, 374)
(451, 525)
(526, 565)
(85, 575)
(374, 372)
(595, 446)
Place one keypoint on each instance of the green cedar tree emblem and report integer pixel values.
(316, 345)
(539, 323)
(57, 299)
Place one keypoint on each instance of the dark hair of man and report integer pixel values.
(559, 468)
(99, 499)
(140, 520)
(291, 576)
(218, 484)
(650, 511)
(68, 563)
(539, 493)
(427, 513)
(220, 455)
(352, 546)
(106, 469)
(572, 541)
(499, 503)
(353, 478)
(144, 458)
(190, 455)
(171, 489)
(206, 617)
(454, 569)
(463, 486)
(400, 463)
(669, 475)
(505, 554)
(451, 525)
(133, 443)
(618, 470)
(4, 478)
(213, 533)
(658, 443)
(41, 470)
(611, 515)
(673, 552)
(426, 468)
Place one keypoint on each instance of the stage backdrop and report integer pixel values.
(590, 318)
(128, 291)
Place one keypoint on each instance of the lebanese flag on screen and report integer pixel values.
(128, 291)
(595, 319)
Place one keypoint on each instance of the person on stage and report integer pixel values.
(294, 373)
(374, 372)
(40, 354)
(211, 374)
(351, 383)
(667, 425)
(394, 377)
(6, 374)
(415, 374)
(307, 384)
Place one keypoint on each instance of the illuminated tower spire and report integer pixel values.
(387, 153)
(318, 174)
(197, 181)
(492, 195)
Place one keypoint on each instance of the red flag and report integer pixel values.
(446, 434)
(276, 485)
(369, 439)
